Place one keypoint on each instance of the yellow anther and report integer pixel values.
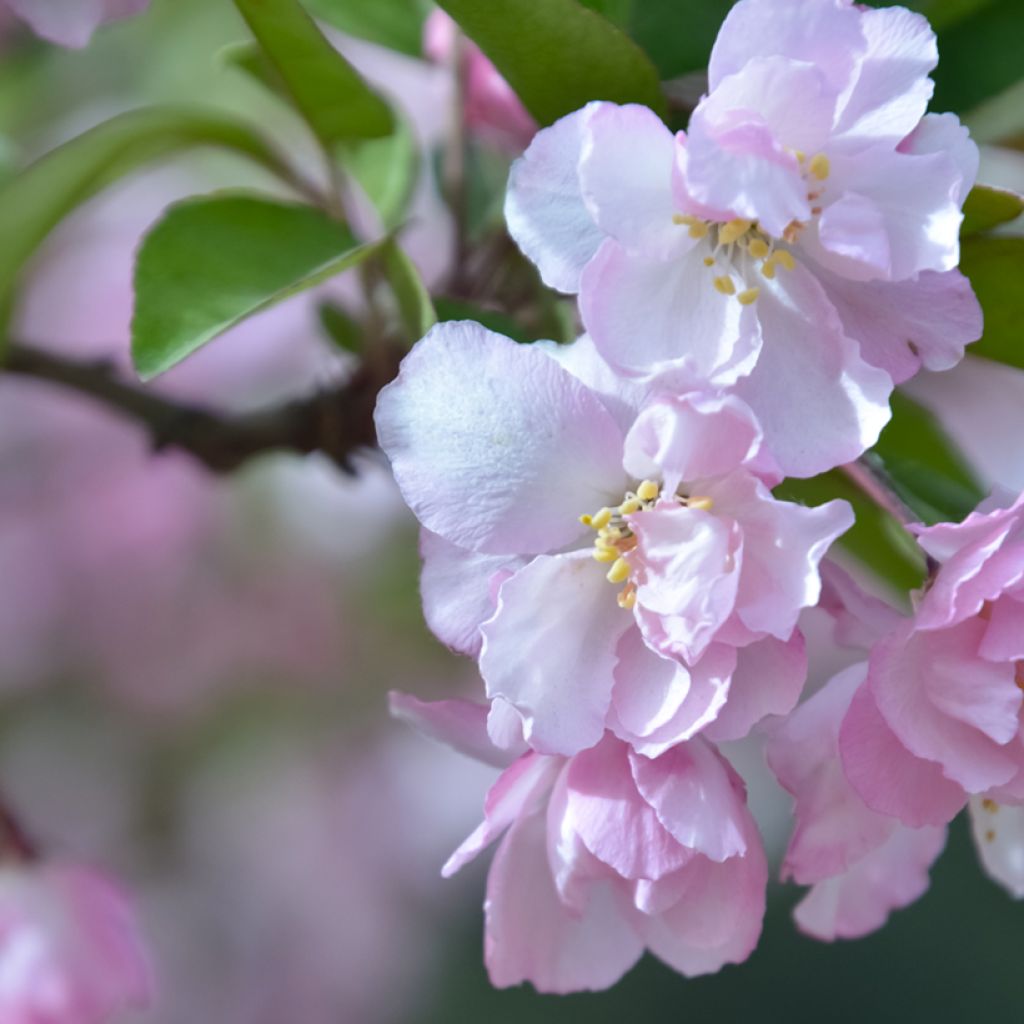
(785, 258)
(605, 554)
(587, 520)
(698, 230)
(733, 230)
(800, 155)
(627, 598)
(630, 505)
(709, 261)
(820, 166)
(725, 285)
(601, 519)
(605, 542)
(758, 248)
(749, 296)
(768, 269)
(684, 218)
(619, 572)
(648, 490)
(700, 502)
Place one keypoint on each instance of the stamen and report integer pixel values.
(820, 166)
(733, 230)
(648, 490)
(619, 572)
(603, 518)
(785, 258)
(725, 285)
(768, 268)
(709, 261)
(605, 554)
(683, 218)
(699, 230)
(627, 597)
(758, 248)
(702, 503)
(630, 505)
(587, 520)
(749, 296)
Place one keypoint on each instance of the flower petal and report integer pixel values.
(999, 837)
(495, 446)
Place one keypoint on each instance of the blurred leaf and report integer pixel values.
(925, 467)
(414, 305)
(876, 539)
(386, 171)
(212, 262)
(616, 11)
(493, 320)
(987, 207)
(328, 91)
(344, 332)
(677, 34)
(980, 50)
(995, 266)
(397, 24)
(557, 55)
(36, 200)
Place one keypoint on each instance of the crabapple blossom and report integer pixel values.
(523, 477)
(71, 22)
(607, 853)
(800, 238)
(70, 948)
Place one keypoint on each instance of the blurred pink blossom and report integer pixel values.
(71, 22)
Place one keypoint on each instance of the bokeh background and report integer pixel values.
(193, 670)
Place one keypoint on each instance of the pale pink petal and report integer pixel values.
(887, 776)
(834, 827)
(529, 934)
(698, 798)
(943, 133)
(631, 200)
(861, 619)
(617, 824)
(826, 33)
(852, 240)
(458, 591)
(1004, 635)
(72, 22)
(687, 569)
(887, 879)
(842, 403)
(519, 792)
(768, 680)
(999, 837)
(902, 326)
(783, 544)
(891, 89)
(494, 446)
(947, 704)
(691, 438)
(550, 650)
(544, 206)
(657, 702)
(459, 724)
(980, 535)
(648, 317)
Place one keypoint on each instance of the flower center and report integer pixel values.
(740, 249)
(615, 539)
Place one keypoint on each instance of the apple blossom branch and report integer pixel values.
(337, 421)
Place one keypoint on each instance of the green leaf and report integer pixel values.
(36, 200)
(414, 305)
(876, 539)
(493, 320)
(987, 207)
(386, 171)
(616, 11)
(678, 34)
(212, 262)
(557, 55)
(995, 266)
(926, 468)
(397, 24)
(344, 332)
(327, 90)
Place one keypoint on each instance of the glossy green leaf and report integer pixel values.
(493, 320)
(212, 262)
(414, 305)
(987, 207)
(925, 466)
(335, 101)
(397, 24)
(557, 55)
(995, 266)
(616, 11)
(677, 34)
(34, 201)
(876, 539)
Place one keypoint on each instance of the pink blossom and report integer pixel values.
(492, 110)
(498, 449)
(70, 948)
(811, 187)
(71, 22)
(607, 853)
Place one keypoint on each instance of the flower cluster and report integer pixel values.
(600, 531)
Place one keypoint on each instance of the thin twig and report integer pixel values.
(337, 421)
(872, 481)
(14, 843)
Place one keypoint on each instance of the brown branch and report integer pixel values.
(337, 421)
(14, 843)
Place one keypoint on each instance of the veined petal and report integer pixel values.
(495, 446)
(544, 206)
(550, 650)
